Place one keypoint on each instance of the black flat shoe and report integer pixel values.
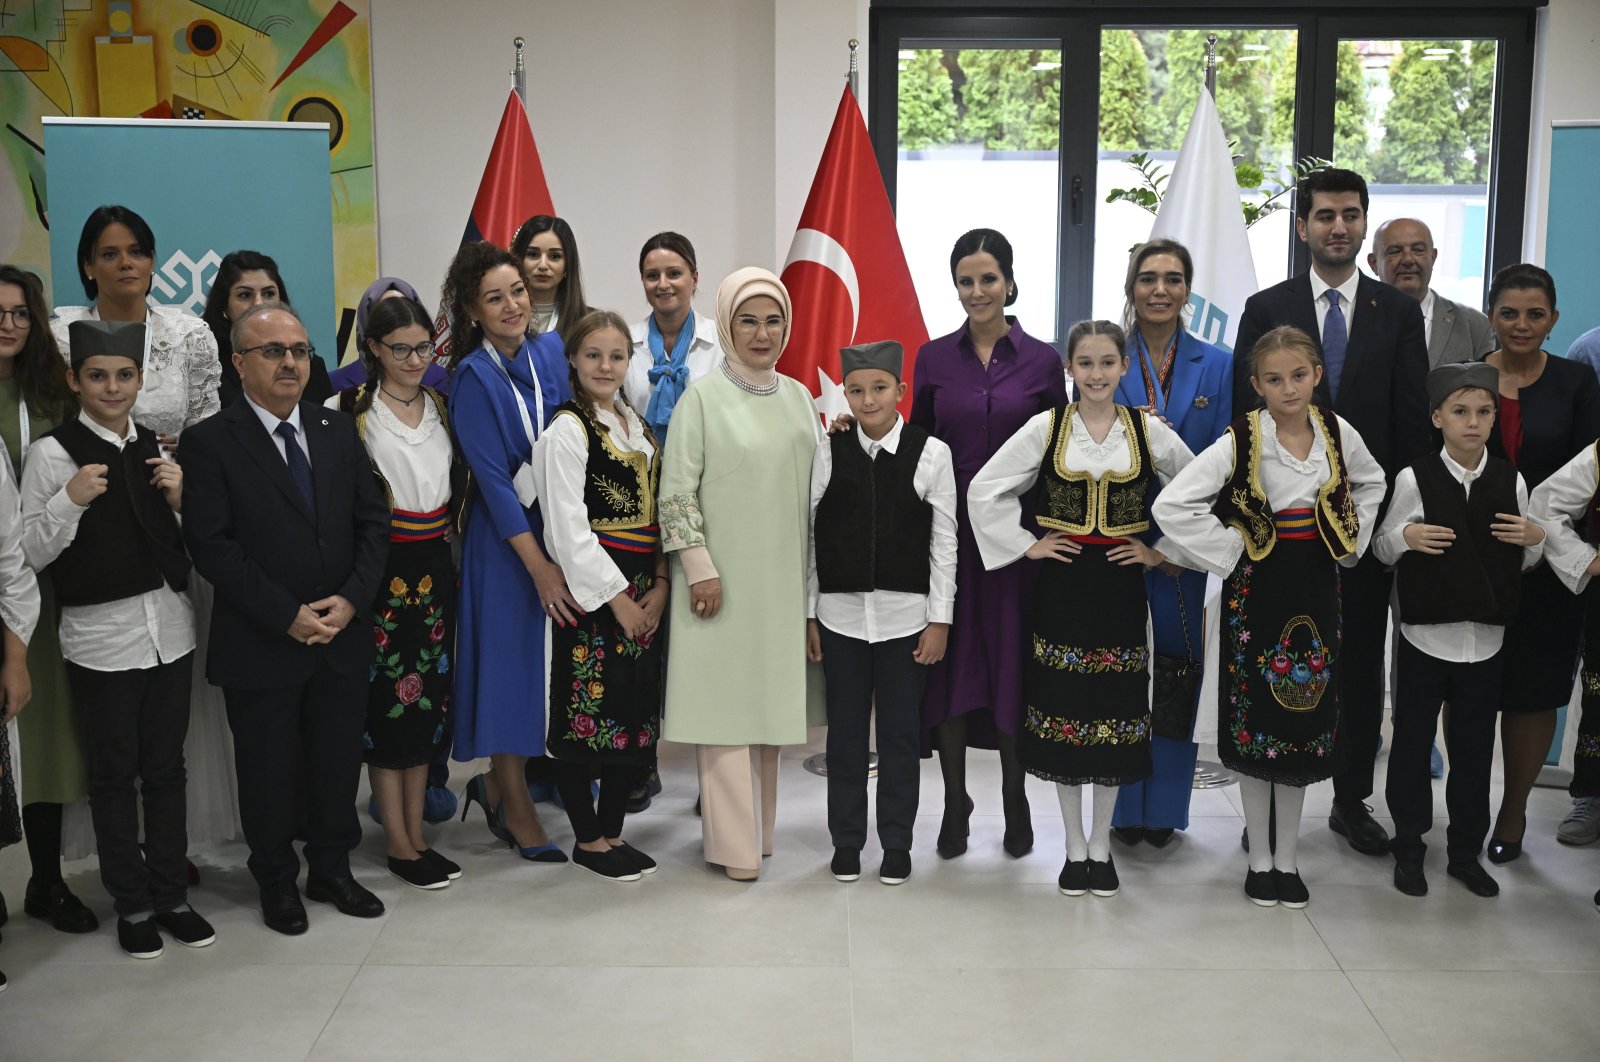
(1409, 878)
(896, 866)
(282, 911)
(1128, 835)
(1292, 892)
(419, 873)
(610, 864)
(1262, 888)
(448, 867)
(346, 894)
(1074, 879)
(56, 904)
(953, 835)
(1354, 822)
(1103, 877)
(1159, 838)
(1474, 877)
(846, 865)
(1503, 851)
(643, 863)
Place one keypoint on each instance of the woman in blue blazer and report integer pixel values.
(1189, 384)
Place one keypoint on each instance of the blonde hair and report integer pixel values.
(1284, 337)
(586, 326)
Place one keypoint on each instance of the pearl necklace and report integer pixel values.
(746, 385)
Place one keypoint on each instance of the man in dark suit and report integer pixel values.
(1403, 254)
(1375, 356)
(283, 516)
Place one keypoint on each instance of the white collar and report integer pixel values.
(1347, 290)
(1461, 472)
(1427, 305)
(270, 420)
(890, 440)
(1319, 447)
(103, 432)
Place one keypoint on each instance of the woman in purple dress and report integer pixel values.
(973, 389)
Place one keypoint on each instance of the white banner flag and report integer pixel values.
(1200, 209)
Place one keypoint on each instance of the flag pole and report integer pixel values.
(854, 75)
(519, 74)
(1211, 64)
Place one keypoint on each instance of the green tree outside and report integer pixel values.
(1423, 141)
(1350, 110)
(1124, 91)
(927, 111)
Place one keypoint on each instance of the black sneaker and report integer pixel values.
(1262, 888)
(1409, 878)
(1103, 877)
(846, 865)
(142, 940)
(447, 867)
(1292, 892)
(643, 863)
(1074, 880)
(186, 927)
(419, 873)
(1471, 874)
(896, 866)
(610, 864)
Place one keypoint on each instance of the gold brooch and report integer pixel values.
(1201, 401)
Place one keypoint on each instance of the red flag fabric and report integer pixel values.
(512, 191)
(846, 272)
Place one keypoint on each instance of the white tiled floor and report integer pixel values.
(978, 958)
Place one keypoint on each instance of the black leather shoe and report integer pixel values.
(1159, 838)
(1018, 839)
(282, 911)
(1474, 877)
(1129, 835)
(56, 904)
(346, 894)
(1503, 851)
(1355, 823)
(953, 833)
(1409, 878)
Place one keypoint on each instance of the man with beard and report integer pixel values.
(1403, 254)
(1375, 354)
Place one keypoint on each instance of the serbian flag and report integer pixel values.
(846, 273)
(512, 191)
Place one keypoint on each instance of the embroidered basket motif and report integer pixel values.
(1297, 670)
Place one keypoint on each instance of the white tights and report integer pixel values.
(1258, 797)
(1097, 845)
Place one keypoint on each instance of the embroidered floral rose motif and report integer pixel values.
(597, 690)
(620, 741)
(580, 653)
(644, 739)
(409, 688)
(397, 586)
(380, 637)
(436, 633)
(426, 585)
(584, 726)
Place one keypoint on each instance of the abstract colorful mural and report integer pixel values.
(247, 60)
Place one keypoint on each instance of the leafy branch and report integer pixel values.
(1148, 194)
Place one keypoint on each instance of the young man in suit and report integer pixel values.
(1403, 254)
(1375, 355)
(283, 515)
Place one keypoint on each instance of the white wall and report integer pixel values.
(1563, 90)
(703, 116)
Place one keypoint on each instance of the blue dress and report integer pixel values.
(501, 641)
(1199, 405)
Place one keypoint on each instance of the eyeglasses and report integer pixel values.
(276, 351)
(403, 352)
(750, 323)
(20, 317)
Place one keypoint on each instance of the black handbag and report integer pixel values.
(1177, 686)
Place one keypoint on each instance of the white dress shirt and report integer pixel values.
(561, 470)
(705, 354)
(131, 633)
(994, 498)
(1560, 505)
(270, 422)
(1195, 538)
(884, 615)
(1459, 643)
(1427, 318)
(1347, 300)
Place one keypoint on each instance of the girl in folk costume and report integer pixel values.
(598, 468)
(406, 430)
(1274, 507)
(1086, 683)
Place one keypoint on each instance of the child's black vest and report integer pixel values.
(1478, 578)
(128, 541)
(872, 530)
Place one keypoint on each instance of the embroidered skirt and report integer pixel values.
(1278, 663)
(1086, 681)
(605, 689)
(1586, 759)
(414, 627)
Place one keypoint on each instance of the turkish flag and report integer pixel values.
(846, 273)
(512, 191)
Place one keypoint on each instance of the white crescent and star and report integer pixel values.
(811, 245)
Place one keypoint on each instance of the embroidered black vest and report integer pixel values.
(128, 542)
(1478, 578)
(1115, 505)
(1242, 502)
(872, 530)
(619, 487)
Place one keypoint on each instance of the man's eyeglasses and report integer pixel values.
(277, 351)
(403, 352)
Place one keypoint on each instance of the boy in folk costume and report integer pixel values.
(1457, 531)
(99, 506)
(882, 593)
